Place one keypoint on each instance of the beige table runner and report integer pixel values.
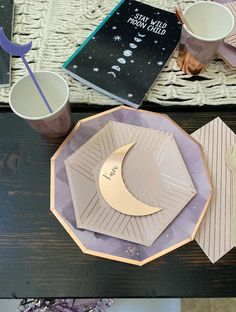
(57, 27)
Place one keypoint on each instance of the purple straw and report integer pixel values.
(36, 83)
(21, 50)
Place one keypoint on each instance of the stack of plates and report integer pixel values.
(129, 185)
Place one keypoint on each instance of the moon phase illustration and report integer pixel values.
(116, 67)
(133, 45)
(11, 48)
(113, 189)
(140, 35)
(112, 73)
(121, 60)
(137, 39)
(127, 53)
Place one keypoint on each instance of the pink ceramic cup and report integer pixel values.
(211, 22)
(26, 102)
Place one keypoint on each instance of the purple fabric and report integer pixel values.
(65, 305)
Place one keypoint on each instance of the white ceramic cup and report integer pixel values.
(26, 102)
(211, 22)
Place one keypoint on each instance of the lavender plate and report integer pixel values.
(184, 227)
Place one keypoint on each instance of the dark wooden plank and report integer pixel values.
(39, 259)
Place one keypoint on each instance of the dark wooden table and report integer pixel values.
(39, 259)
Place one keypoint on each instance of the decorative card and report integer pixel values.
(6, 20)
(124, 55)
(215, 232)
(128, 182)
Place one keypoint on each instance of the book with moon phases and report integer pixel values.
(124, 55)
(128, 182)
(6, 21)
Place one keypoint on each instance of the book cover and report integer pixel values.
(6, 19)
(124, 55)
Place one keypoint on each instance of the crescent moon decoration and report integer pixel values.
(116, 67)
(21, 50)
(141, 35)
(11, 48)
(112, 73)
(113, 189)
(127, 53)
(137, 39)
(121, 60)
(133, 45)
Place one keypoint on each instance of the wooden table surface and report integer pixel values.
(39, 259)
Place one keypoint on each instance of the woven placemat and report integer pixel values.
(58, 27)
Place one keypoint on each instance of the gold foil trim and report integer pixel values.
(72, 233)
(113, 189)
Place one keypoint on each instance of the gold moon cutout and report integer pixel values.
(113, 189)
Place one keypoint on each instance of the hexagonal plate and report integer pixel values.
(153, 172)
(179, 232)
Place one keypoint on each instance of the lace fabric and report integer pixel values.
(58, 27)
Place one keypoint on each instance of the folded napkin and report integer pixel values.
(215, 233)
(231, 38)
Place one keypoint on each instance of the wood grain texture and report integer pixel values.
(39, 259)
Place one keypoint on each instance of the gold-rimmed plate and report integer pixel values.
(184, 227)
